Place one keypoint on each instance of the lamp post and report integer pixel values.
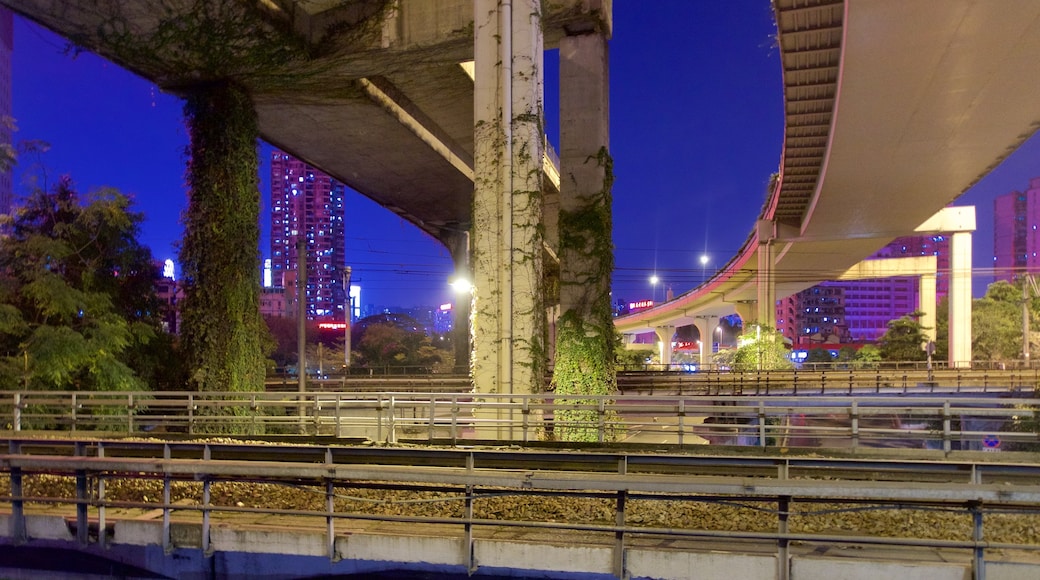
(718, 336)
(653, 284)
(704, 265)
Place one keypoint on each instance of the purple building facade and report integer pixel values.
(307, 206)
(858, 311)
(1015, 237)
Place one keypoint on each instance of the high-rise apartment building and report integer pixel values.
(307, 207)
(1015, 237)
(6, 122)
(859, 311)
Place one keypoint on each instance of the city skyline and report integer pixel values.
(694, 139)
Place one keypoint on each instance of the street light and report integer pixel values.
(718, 342)
(704, 265)
(653, 284)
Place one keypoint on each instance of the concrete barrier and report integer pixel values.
(683, 565)
(859, 569)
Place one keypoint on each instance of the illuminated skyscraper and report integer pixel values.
(1015, 237)
(307, 206)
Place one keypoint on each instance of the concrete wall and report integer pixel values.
(259, 551)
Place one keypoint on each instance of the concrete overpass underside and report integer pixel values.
(894, 108)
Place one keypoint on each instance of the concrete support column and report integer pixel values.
(960, 300)
(706, 328)
(747, 312)
(927, 304)
(766, 311)
(508, 316)
(665, 335)
(460, 334)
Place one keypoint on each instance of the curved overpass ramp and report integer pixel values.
(893, 108)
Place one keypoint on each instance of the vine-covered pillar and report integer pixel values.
(508, 316)
(221, 329)
(584, 363)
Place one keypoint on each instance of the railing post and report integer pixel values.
(206, 552)
(602, 410)
(330, 519)
(102, 525)
(82, 531)
(854, 412)
(191, 413)
(946, 427)
(72, 412)
(18, 529)
(681, 421)
(979, 561)
(17, 418)
(391, 413)
(619, 536)
(762, 424)
(130, 413)
(339, 418)
(783, 556)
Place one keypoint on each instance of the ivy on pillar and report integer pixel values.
(508, 313)
(222, 328)
(585, 339)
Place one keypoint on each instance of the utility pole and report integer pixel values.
(348, 314)
(1029, 287)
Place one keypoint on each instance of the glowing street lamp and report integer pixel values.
(704, 267)
(653, 283)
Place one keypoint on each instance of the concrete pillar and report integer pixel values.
(927, 304)
(766, 311)
(747, 312)
(665, 335)
(460, 334)
(508, 315)
(960, 300)
(706, 326)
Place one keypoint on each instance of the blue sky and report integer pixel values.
(696, 130)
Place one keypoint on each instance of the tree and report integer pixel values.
(387, 345)
(818, 355)
(996, 322)
(904, 339)
(867, 357)
(78, 307)
(765, 349)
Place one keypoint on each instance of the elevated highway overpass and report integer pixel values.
(893, 109)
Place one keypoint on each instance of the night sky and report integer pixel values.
(696, 131)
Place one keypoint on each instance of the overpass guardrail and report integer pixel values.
(980, 420)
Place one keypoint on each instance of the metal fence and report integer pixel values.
(786, 488)
(978, 420)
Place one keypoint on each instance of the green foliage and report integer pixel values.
(762, 348)
(585, 338)
(78, 308)
(996, 323)
(904, 339)
(818, 355)
(386, 345)
(221, 329)
(868, 357)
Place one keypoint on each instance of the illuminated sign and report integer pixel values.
(332, 325)
(167, 270)
(640, 304)
(445, 307)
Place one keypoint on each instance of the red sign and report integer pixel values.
(640, 304)
(332, 325)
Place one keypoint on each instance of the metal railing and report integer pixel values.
(990, 420)
(785, 488)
